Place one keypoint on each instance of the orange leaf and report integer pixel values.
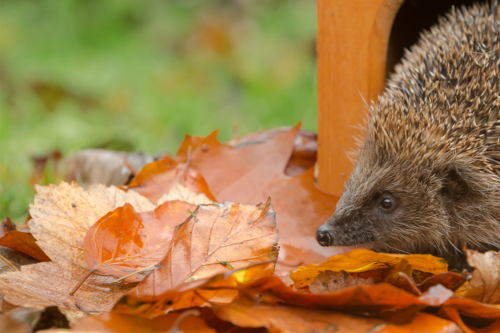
(157, 178)
(472, 308)
(116, 322)
(21, 241)
(124, 241)
(221, 288)
(423, 322)
(254, 172)
(361, 260)
(217, 238)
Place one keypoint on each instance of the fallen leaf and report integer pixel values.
(116, 322)
(21, 241)
(362, 260)
(103, 166)
(182, 193)
(455, 316)
(157, 178)
(281, 318)
(124, 241)
(47, 284)
(222, 288)
(39, 318)
(63, 214)
(216, 238)
(423, 322)
(485, 282)
(255, 172)
(7, 324)
(305, 149)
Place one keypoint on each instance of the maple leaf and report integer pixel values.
(216, 238)
(157, 178)
(254, 172)
(362, 260)
(123, 241)
(20, 241)
(485, 282)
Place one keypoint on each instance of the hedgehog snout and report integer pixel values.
(323, 236)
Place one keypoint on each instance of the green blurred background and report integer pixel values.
(138, 75)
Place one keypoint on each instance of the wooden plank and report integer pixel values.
(352, 50)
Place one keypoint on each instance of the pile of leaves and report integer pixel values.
(219, 238)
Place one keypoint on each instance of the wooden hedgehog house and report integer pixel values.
(358, 44)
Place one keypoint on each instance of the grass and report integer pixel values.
(139, 75)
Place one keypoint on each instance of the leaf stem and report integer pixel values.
(9, 263)
(79, 284)
(126, 276)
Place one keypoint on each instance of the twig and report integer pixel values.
(133, 171)
(8, 262)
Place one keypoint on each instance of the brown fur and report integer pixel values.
(433, 143)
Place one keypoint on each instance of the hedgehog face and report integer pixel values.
(389, 207)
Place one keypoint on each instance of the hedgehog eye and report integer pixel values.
(387, 203)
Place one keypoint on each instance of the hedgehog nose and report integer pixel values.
(324, 237)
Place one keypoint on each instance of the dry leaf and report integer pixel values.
(157, 178)
(182, 193)
(255, 172)
(21, 241)
(221, 288)
(247, 313)
(216, 238)
(103, 166)
(361, 260)
(116, 322)
(61, 217)
(63, 214)
(304, 153)
(47, 284)
(124, 241)
(281, 318)
(485, 282)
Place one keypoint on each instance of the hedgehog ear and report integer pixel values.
(454, 186)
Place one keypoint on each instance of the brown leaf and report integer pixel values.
(485, 282)
(20, 241)
(63, 214)
(247, 313)
(281, 318)
(61, 217)
(221, 288)
(157, 178)
(182, 193)
(304, 153)
(116, 322)
(124, 241)
(103, 166)
(39, 318)
(48, 284)
(361, 260)
(256, 172)
(217, 238)
(7, 324)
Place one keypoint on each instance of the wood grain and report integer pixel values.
(352, 50)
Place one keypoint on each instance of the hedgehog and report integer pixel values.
(427, 174)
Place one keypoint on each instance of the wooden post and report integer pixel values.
(352, 51)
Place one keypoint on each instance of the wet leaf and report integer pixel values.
(124, 241)
(485, 282)
(21, 241)
(472, 308)
(255, 172)
(219, 237)
(157, 178)
(361, 260)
